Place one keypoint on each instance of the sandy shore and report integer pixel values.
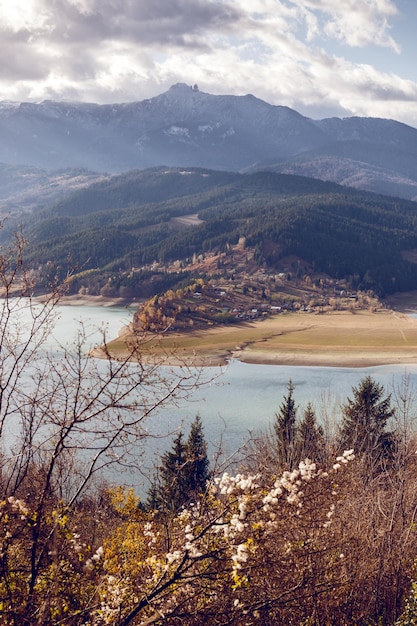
(85, 300)
(326, 358)
(337, 339)
(333, 339)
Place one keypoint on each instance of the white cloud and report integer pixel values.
(23, 15)
(293, 52)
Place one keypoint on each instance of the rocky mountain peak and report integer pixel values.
(186, 127)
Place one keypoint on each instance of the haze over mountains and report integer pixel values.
(128, 193)
(185, 127)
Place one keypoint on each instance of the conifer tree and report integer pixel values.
(365, 418)
(286, 430)
(168, 491)
(183, 472)
(310, 437)
(196, 469)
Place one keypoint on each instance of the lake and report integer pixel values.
(239, 399)
(243, 398)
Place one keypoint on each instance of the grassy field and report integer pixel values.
(352, 339)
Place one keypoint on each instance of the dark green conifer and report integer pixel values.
(196, 468)
(364, 423)
(183, 473)
(168, 492)
(310, 437)
(286, 430)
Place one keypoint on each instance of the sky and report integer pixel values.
(322, 58)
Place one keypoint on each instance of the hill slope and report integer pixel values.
(130, 223)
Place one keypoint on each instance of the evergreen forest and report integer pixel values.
(119, 229)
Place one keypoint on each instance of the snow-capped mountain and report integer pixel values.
(186, 127)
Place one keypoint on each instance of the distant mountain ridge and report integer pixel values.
(185, 127)
(27, 188)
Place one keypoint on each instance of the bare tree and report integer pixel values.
(64, 417)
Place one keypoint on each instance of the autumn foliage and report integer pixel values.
(315, 545)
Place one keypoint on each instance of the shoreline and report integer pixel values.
(402, 303)
(331, 339)
(334, 339)
(331, 359)
(86, 300)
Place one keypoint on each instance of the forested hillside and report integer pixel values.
(121, 227)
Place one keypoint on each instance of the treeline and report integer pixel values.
(127, 223)
(140, 284)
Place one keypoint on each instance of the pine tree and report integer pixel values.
(365, 419)
(196, 469)
(183, 473)
(310, 437)
(168, 491)
(286, 430)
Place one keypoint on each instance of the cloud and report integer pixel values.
(71, 38)
(353, 22)
(293, 52)
(23, 15)
(140, 21)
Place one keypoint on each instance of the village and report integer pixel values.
(231, 288)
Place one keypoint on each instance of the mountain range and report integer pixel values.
(185, 127)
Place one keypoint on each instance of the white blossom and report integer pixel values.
(241, 556)
(19, 506)
(171, 557)
(236, 523)
(233, 484)
(98, 554)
